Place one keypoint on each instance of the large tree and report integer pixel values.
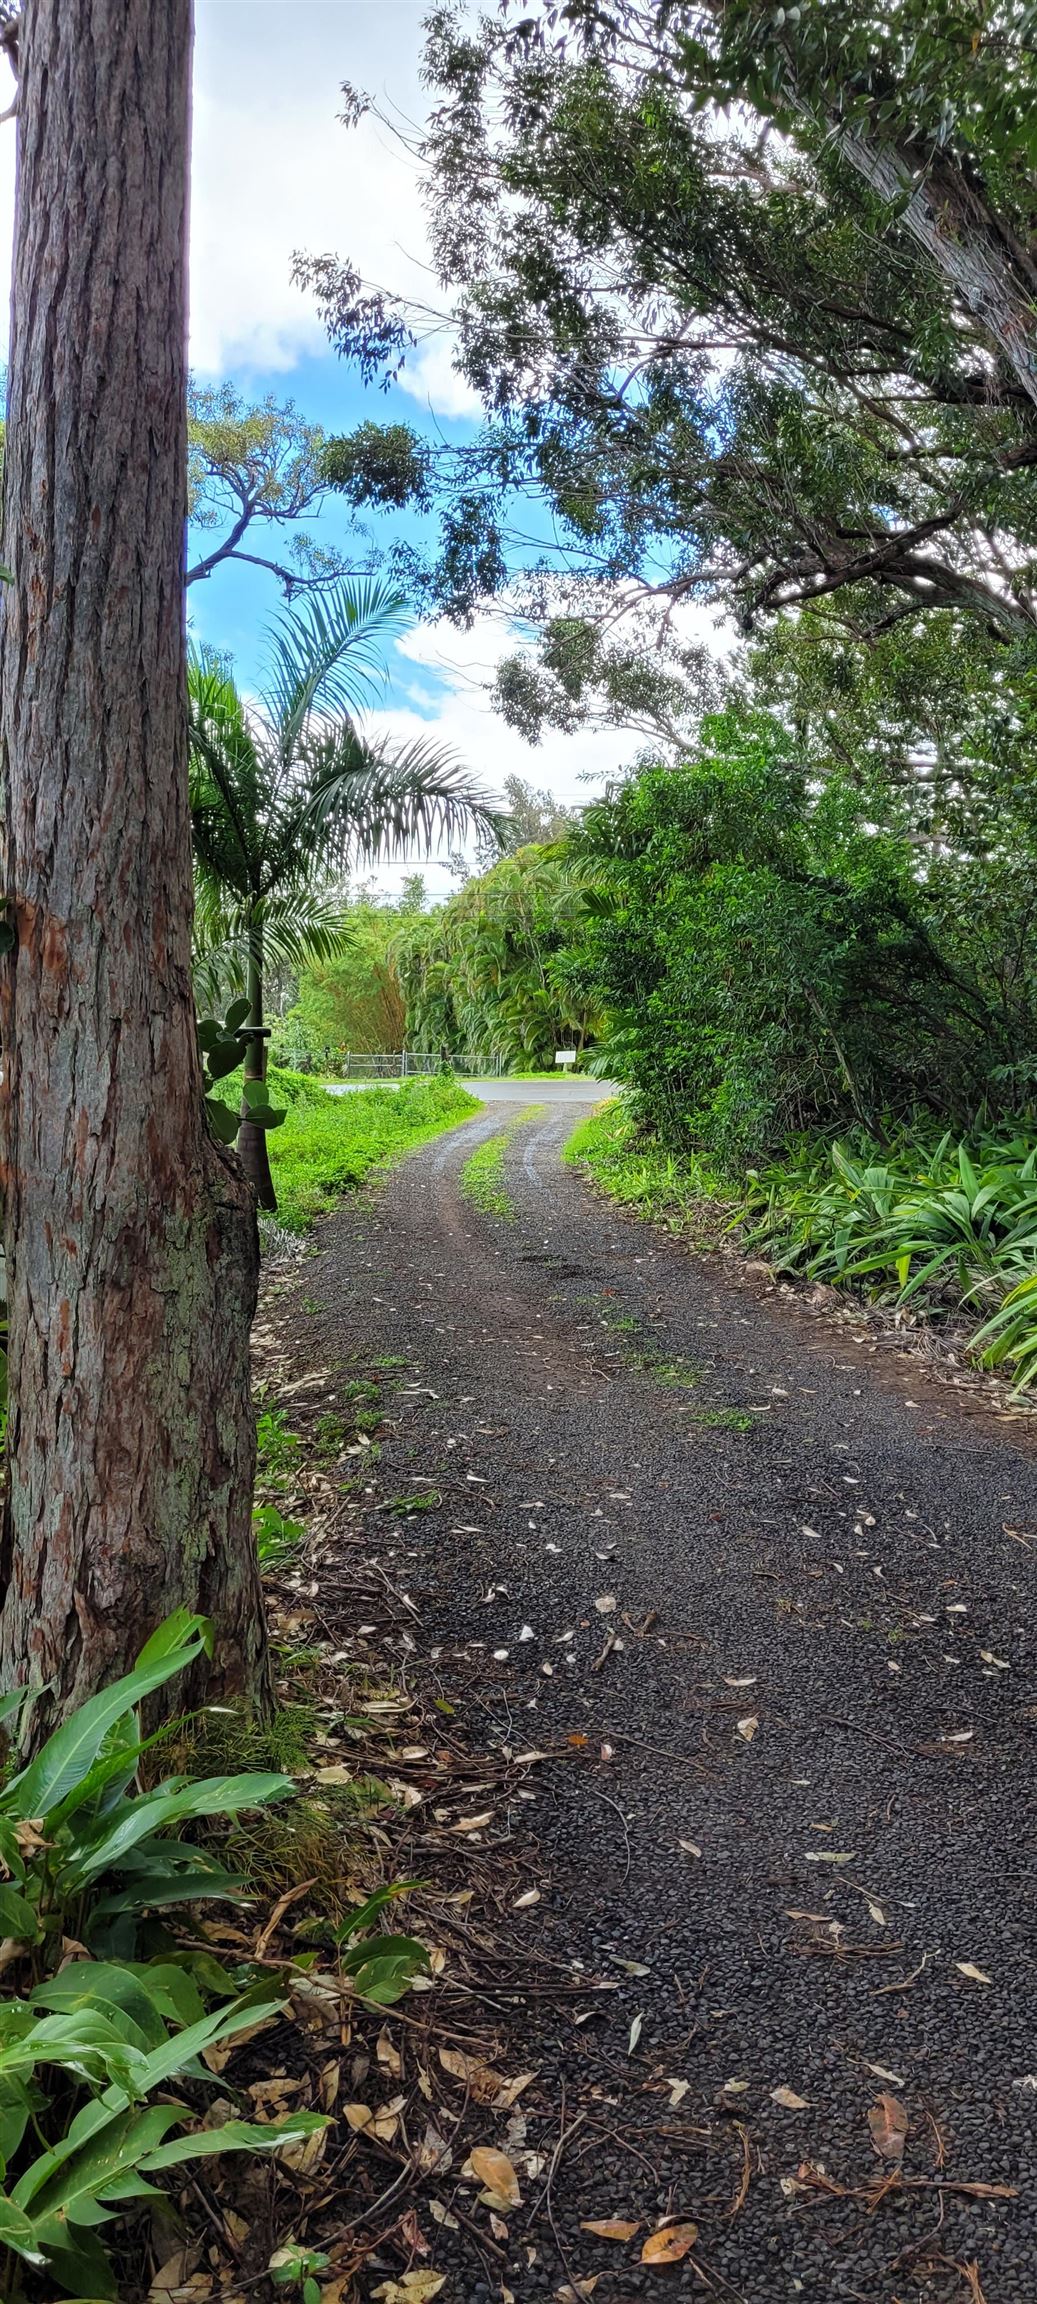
(130, 1236)
(749, 293)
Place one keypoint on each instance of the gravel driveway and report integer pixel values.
(769, 1595)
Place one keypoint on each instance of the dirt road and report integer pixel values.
(769, 1596)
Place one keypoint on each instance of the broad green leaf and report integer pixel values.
(18, 1917)
(72, 1750)
(176, 1631)
(223, 1121)
(237, 2136)
(156, 1811)
(369, 1911)
(18, 2231)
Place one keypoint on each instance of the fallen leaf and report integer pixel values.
(506, 2092)
(829, 1855)
(635, 2034)
(411, 2288)
(357, 2116)
(749, 1681)
(670, 2245)
(888, 2123)
(678, 2091)
(388, 2054)
(522, 1903)
(690, 1847)
(481, 2082)
(975, 1975)
(881, 2073)
(747, 1728)
(610, 2228)
(789, 2100)
(474, 1823)
(605, 1603)
(494, 2170)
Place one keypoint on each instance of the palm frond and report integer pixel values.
(326, 654)
(225, 774)
(302, 923)
(378, 799)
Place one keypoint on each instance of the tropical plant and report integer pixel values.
(91, 2047)
(84, 1850)
(488, 974)
(288, 789)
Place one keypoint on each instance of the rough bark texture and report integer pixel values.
(949, 219)
(131, 1240)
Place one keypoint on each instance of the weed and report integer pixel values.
(724, 1419)
(277, 1539)
(623, 1322)
(677, 1375)
(278, 1450)
(331, 1434)
(482, 1180)
(428, 1501)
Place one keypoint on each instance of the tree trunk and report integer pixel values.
(951, 220)
(252, 1145)
(130, 1238)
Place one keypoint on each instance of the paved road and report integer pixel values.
(501, 1090)
(769, 1597)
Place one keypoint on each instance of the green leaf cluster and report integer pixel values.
(95, 2049)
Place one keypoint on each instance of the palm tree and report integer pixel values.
(287, 790)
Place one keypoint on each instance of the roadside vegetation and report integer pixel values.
(327, 1145)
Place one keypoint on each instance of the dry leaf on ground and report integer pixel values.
(610, 2228)
(888, 2123)
(747, 1728)
(789, 2100)
(670, 2245)
(494, 2170)
(975, 1975)
(411, 2288)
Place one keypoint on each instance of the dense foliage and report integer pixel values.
(488, 976)
(772, 961)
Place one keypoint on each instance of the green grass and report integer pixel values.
(482, 1180)
(946, 1227)
(723, 1419)
(653, 1183)
(329, 1144)
(482, 1177)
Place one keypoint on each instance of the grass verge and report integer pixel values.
(682, 1193)
(482, 1177)
(482, 1180)
(947, 1229)
(328, 1144)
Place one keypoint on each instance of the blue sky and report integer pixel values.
(274, 171)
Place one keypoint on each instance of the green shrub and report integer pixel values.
(91, 2048)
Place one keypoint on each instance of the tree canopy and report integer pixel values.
(749, 357)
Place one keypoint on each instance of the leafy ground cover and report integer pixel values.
(328, 1144)
(945, 1228)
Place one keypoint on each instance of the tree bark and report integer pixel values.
(130, 1237)
(951, 221)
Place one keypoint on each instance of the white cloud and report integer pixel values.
(275, 171)
(571, 767)
(431, 378)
